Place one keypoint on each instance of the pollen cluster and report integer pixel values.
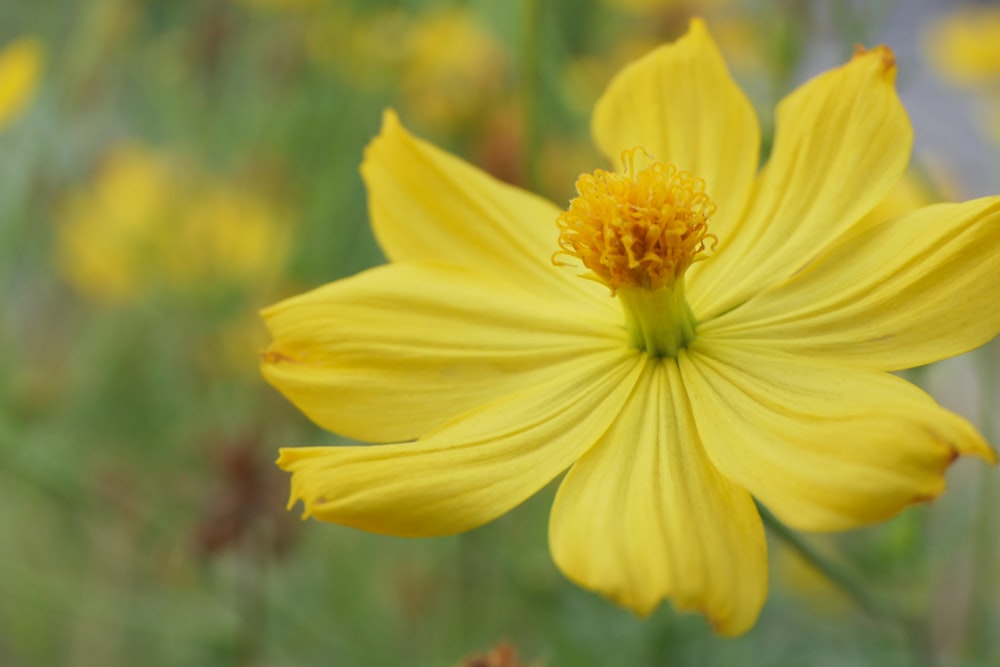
(642, 228)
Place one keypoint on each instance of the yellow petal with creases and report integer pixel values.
(680, 104)
(903, 293)
(823, 446)
(426, 204)
(842, 142)
(644, 516)
(395, 351)
(473, 469)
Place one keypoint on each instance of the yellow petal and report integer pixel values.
(900, 294)
(680, 104)
(842, 142)
(473, 469)
(644, 516)
(823, 446)
(395, 351)
(428, 205)
(20, 71)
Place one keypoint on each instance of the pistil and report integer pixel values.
(638, 232)
(659, 322)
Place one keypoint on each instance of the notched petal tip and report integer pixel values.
(271, 356)
(880, 56)
(292, 459)
(287, 458)
(697, 33)
(390, 119)
(391, 129)
(983, 451)
(290, 505)
(284, 457)
(724, 623)
(925, 498)
(697, 26)
(641, 611)
(392, 126)
(972, 445)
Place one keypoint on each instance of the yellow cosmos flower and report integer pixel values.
(146, 223)
(453, 68)
(448, 65)
(734, 339)
(20, 71)
(965, 45)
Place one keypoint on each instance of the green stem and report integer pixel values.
(915, 635)
(978, 636)
(659, 322)
(829, 569)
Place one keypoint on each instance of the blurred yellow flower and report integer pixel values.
(447, 63)
(20, 72)
(734, 340)
(226, 234)
(364, 49)
(106, 239)
(147, 222)
(454, 67)
(965, 45)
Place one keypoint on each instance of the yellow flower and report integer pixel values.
(106, 242)
(965, 45)
(20, 71)
(450, 66)
(147, 223)
(746, 353)
(453, 67)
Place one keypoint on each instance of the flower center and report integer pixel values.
(638, 232)
(642, 228)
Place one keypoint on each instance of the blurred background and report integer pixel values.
(169, 167)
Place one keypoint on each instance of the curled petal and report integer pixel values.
(428, 205)
(472, 469)
(902, 293)
(393, 352)
(823, 446)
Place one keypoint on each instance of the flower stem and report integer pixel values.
(660, 322)
(981, 614)
(832, 571)
(914, 634)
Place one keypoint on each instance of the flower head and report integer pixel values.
(734, 342)
(639, 229)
